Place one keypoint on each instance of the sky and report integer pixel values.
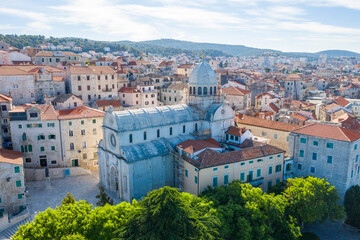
(286, 25)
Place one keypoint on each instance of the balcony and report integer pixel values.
(256, 182)
(107, 90)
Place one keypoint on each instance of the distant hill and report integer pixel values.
(164, 47)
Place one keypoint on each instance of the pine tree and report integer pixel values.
(103, 198)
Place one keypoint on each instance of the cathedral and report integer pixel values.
(135, 154)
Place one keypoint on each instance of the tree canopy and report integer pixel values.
(352, 206)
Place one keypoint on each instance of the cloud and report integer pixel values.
(38, 20)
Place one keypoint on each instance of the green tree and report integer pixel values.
(103, 198)
(168, 214)
(311, 199)
(247, 213)
(278, 188)
(352, 206)
(68, 199)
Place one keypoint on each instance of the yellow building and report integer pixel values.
(205, 164)
(276, 132)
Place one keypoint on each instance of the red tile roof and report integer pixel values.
(4, 98)
(128, 90)
(341, 101)
(10, 156)
(329, 132)
(79, 112)
(105, 102)
(47, 111)
(235, 131)
(191, 146)
(274, 107)
(210, 158)
(254, 121)
(235, 91)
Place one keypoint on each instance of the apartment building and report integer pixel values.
(140, 97)
(206, 165)
(185, 69)
(174, 93)
(92, 83)
(12, 191)
(6, 104)
(239, 99)
(55, 59)
(327, 151)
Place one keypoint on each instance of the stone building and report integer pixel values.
(92, 83)
(12, 190)
(56, 59)
(327, 151)
(67, 101)
(174, 93)
(135, 155)
(238, 98)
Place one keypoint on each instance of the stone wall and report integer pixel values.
(32, 174)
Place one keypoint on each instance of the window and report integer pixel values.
(271, 157)
(20, 126)
(130, 138)
(52, 136)
(41, 137)
(29, 125)
(42, 149)
(33, 115)
(27, 160)
(84, 144)
(355, 146)
(242, 164)
(30, 148)
(250, 162)
(186, 173)
(215, 169)
(226, 166)
(17, 169)
(83, 132)
(24, 137)
(278, 168)
(184, 128)
(275, 136)
(301, 154)
(196, 127)
(88, 87)
(144, 135)
(263, 134)
(52, 148)
(316, 143)
(314, 156)
(226, 179)
(82, 122)
(196, 180)
(94, 131)
(53, 162)
(250, 176)
(79, 88)
(94, 120)
(258, 172)
(329, 145)
(352, 173)
(270, 170)
(300, 166)
(329, 159)
(215, 181)
(171, 131)
(312, 169)
(242, 176)
(196, 170)
(51, 124)
(199, 90)
(302, 140)
(20, 196)
(18, 183)
(269, 184)
(71, 146)
(84, 156)
(357, 158)
(71, 133)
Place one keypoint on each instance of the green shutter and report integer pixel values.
(17, 169)
(18, 183)
(30, 148)
(20, 196)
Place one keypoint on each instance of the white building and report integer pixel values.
(135, 155)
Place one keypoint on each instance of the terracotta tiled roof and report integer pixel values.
(4, 98)
(92, 70)
(47, 111)
(128, 90)
(210, 158)
(235, 131)
(348, 121)
(186, 66)
(341, 101)
(79, 112)
(299, 117)
(235, 91)
(105, 102)
(44, 54)
(9, 71)
(191, 146)
(10, 156)
(253, 121)
(329, 132)
(58, 79)
(274, 107)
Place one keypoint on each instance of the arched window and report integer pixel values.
(196, 127)
(199, 90)
(184, 128)
(144, 135)
(190, 90)
(158, 133)
(24, 137)
(210, 91)
(170, 131)
(214, 90)
(194, 92)
(130, 138)
(205, 90)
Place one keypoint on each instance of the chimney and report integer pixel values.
(180, 150)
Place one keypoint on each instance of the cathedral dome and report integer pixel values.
(203, 74)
